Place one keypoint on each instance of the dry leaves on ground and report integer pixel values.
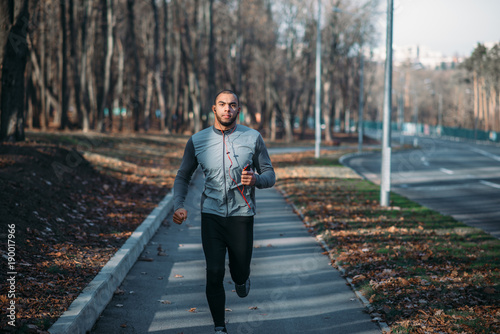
(421, 271)
(71, 214)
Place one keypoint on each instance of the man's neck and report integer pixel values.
(225, 128)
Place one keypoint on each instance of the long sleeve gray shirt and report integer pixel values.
(222, 157)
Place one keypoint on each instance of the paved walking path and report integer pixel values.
(294, 289)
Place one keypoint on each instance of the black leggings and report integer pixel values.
(218, 234)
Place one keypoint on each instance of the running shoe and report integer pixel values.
(220, 330)
(243, 289)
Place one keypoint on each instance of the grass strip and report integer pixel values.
(423, 272)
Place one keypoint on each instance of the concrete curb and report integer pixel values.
(347, 156)
(86, 308)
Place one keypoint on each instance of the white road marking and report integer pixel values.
(490, 184)
(487, 154)
(434, 187)
(446, 171)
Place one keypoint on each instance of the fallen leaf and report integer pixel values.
(163, 301)
(489, 290)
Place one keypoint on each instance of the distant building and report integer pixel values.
(417, 54)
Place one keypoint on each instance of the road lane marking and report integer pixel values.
(446, 171)
(433, 187)
(487, 154)
(490, 184)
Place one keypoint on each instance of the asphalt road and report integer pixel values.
(460, 179)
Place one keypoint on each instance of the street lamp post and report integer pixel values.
(385, 182)
(318, 83)
(361, 101)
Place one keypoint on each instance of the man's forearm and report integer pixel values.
(184, 174)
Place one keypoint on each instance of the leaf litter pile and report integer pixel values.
(421, 272)
(74, 200)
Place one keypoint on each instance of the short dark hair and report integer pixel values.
(226, 91)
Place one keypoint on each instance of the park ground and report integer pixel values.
(73, 199)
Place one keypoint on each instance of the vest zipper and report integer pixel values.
(224, 173)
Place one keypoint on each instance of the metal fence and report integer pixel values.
(412, 129)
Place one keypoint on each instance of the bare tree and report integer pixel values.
(107, 30)
(156, 62)
(13, 59)
(174, 59)
(63, 68)
(135, 58)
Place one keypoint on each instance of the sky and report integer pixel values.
(449, 26)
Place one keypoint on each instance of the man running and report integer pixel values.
(234, 160)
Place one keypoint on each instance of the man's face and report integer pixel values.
(226, 110)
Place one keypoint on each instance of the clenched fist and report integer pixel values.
(248, 178)
(179, 216)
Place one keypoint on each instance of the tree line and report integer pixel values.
(484, 68)
(125, 65)
(122, 64)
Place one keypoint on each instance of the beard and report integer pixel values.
(227, 122)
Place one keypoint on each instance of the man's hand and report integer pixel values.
(248, 178)
(179, 216)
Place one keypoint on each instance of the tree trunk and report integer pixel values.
(239, 51)
(476, 102)
(273, 125)
(86, 31)
(305, 114)
(133, 44)
(13, 62)
(30, 96)
(193, 81)
(491, 109)
(107, 30)
(44, 110)
(119, 85)
(167, 52)
(175, 91)
(497, 110)
(75, 60)
(158, 84)
(269, 114)
(211, 59)
(63, 63)
(147, 105)
(92, 95)
(286, 112)
(485, 105)
(327, 114)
